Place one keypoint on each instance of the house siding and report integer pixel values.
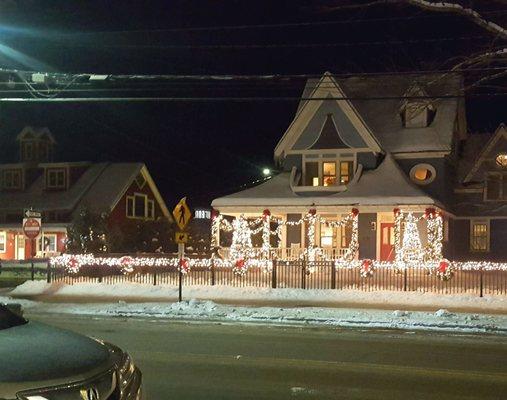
(293, 232)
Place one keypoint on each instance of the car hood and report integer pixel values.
(35, 355)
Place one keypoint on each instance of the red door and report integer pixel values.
(386, 241)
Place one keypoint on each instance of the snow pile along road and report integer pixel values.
(260, 296)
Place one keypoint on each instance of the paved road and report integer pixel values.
(215, 361)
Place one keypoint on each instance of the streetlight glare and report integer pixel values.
(266, 171)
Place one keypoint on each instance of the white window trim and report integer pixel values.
(56, 171)
(3, 239)
(488, 231)
(321, 160)
(40, 250)
(12, 172)
(429, 167)
(147, 201)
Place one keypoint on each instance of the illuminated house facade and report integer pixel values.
(377, 145)
(60, 190)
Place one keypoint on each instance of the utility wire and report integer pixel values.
(273, 46)
(279, 25)
(228, 99)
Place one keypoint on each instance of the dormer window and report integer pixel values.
(416, 110)
(56, 178)
(12, 179)
(319, 170)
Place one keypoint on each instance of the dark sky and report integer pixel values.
(206, 149)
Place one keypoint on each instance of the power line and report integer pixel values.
(278, 25)
(227, 99)
(274, 46)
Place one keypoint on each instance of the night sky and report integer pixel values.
(207, 149)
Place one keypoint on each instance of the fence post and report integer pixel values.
(273, 275)
(154, 278)
(32, 271)
(48, 272)
(404, 279)
(481, 284)
(303, 273)
(100, 278)
(212, 272)
(333, 275)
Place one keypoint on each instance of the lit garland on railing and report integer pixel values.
(126, 264)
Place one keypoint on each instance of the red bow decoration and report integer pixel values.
(366, 265)
(240, 264)
(396, 211)
(442, 267)
(355, 212)
(430, 212)
(183, 264)
(266, 213)
(214, 214)
(312, 211)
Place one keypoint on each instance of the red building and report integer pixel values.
(61, 190)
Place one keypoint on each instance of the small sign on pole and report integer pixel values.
(181, 237)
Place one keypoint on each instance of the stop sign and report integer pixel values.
(31, 227)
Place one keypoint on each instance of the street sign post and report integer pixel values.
(182, 216)
(32, 228)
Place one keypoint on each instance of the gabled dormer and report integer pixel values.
(36, 145)
(490, 167)
(417, 110)
(328, 143)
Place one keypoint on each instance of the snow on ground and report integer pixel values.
(140, 292)
(204, 310)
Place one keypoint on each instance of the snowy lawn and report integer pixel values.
(265, 296)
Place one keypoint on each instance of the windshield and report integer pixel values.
(8, 319)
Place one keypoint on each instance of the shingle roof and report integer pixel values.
(98, 187)
(382, 115)
(386, 185)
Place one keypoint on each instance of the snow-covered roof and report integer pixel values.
(386, 185)
(382, 115)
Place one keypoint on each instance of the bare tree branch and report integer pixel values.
(439, 6)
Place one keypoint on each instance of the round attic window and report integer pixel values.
(501, 160)
(422, 174)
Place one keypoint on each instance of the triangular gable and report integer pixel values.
(329, 136)
(326, 88)
(488, 153)
(416, 94)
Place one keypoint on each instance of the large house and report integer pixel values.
(61, 190)
(381, 145)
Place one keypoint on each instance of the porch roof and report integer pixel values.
(386, 185)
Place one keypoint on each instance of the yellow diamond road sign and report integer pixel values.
(182, 214)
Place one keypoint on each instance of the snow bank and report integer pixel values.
(140, 293)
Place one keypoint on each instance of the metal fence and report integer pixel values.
(299, 274)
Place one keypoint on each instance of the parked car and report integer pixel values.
(41, 362)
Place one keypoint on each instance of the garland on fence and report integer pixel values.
(444, 269)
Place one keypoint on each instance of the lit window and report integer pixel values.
(3, 241)
(479, 235)
(345, 171)
(312, 173)
(326, 236)
(47, 243)
(55, 178)
(501, 160)
(423, 174)
(329, 173)
(12, 179)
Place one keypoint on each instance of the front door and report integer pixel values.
(387, 241)
(20, 247)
